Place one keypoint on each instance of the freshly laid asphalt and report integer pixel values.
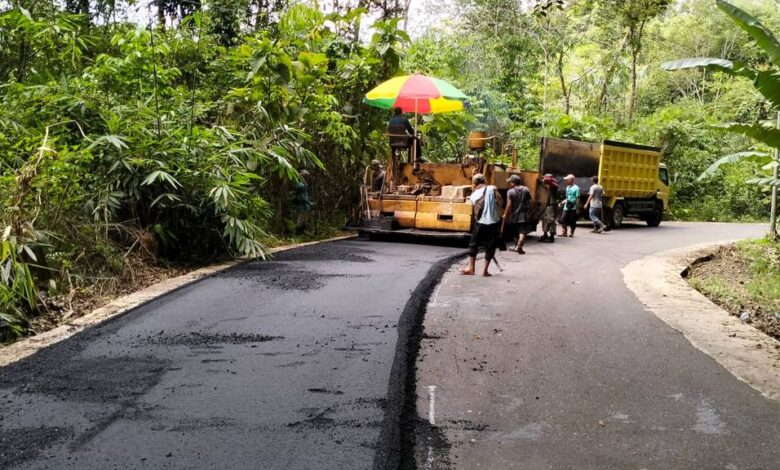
(289, 364)
(555, 364)
(301, 362)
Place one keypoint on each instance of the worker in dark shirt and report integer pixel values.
(399, 120)
(302, 203)
(377, 176)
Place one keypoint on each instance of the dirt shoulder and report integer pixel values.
(749, 354)
(743, 279)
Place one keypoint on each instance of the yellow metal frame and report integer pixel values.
(627, 172)
(437, 212)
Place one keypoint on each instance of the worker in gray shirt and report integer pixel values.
(594, 204)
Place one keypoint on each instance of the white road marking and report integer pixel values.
(432, 404)
(431, 419)
(429, 459)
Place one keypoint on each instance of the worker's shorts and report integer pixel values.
(548, 221)
(484, 235)
(570, 218)
(513, 231)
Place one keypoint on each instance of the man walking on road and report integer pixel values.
(515, 223)
(594, 205)
(485, 201)
(570, 206)
(550, 211)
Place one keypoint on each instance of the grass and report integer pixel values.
(715, 286)
(763, 257)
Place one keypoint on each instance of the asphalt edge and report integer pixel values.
(396, 438)
(21, 349)
(747, 353)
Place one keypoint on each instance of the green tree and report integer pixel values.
(766, 80)
(633, 16)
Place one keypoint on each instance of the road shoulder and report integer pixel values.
(750, 355)
(26, 347)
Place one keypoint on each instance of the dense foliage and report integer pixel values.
(118, 140)
(176, 130)
(592, 70)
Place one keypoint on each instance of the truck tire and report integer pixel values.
(615, 216)
(655, 218)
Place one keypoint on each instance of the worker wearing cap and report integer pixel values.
(515, 222)
(377, 176)
(570, 206)
(487, 217)
(551, 209)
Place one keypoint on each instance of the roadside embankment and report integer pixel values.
(749, 354)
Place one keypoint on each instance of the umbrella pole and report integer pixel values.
(414, 137)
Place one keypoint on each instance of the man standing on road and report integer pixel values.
(570, 205)
(485, 201)
(515, 223)
(548, 220)
(302, 203)
(595, 196)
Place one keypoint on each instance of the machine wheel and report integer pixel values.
(655, 218)
(616, 215)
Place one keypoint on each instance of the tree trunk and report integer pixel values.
(160, 14)
(356, 34)
(636, 47)
(602, 100)
(407, 4)
(564, 88)
(21, 70)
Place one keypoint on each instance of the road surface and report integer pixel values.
(554, 364)
(287, 365)
(297, 364)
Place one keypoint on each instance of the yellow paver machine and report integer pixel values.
(421, 198)
(431, 199)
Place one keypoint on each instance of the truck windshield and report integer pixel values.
(663, 175)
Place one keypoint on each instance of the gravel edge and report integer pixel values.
(747, 353)
(29, 346)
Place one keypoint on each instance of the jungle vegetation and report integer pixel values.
(167, 131)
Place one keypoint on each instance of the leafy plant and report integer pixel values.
(765, 80)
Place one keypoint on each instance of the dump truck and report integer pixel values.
(427, 199)
(636, 183)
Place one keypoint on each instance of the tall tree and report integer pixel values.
(633, 17)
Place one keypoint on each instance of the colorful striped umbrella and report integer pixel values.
(416, 94)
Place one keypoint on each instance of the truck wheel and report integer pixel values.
(616, 216)
(655, 218)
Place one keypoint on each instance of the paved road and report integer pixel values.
(554, 364)
(281, 365)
